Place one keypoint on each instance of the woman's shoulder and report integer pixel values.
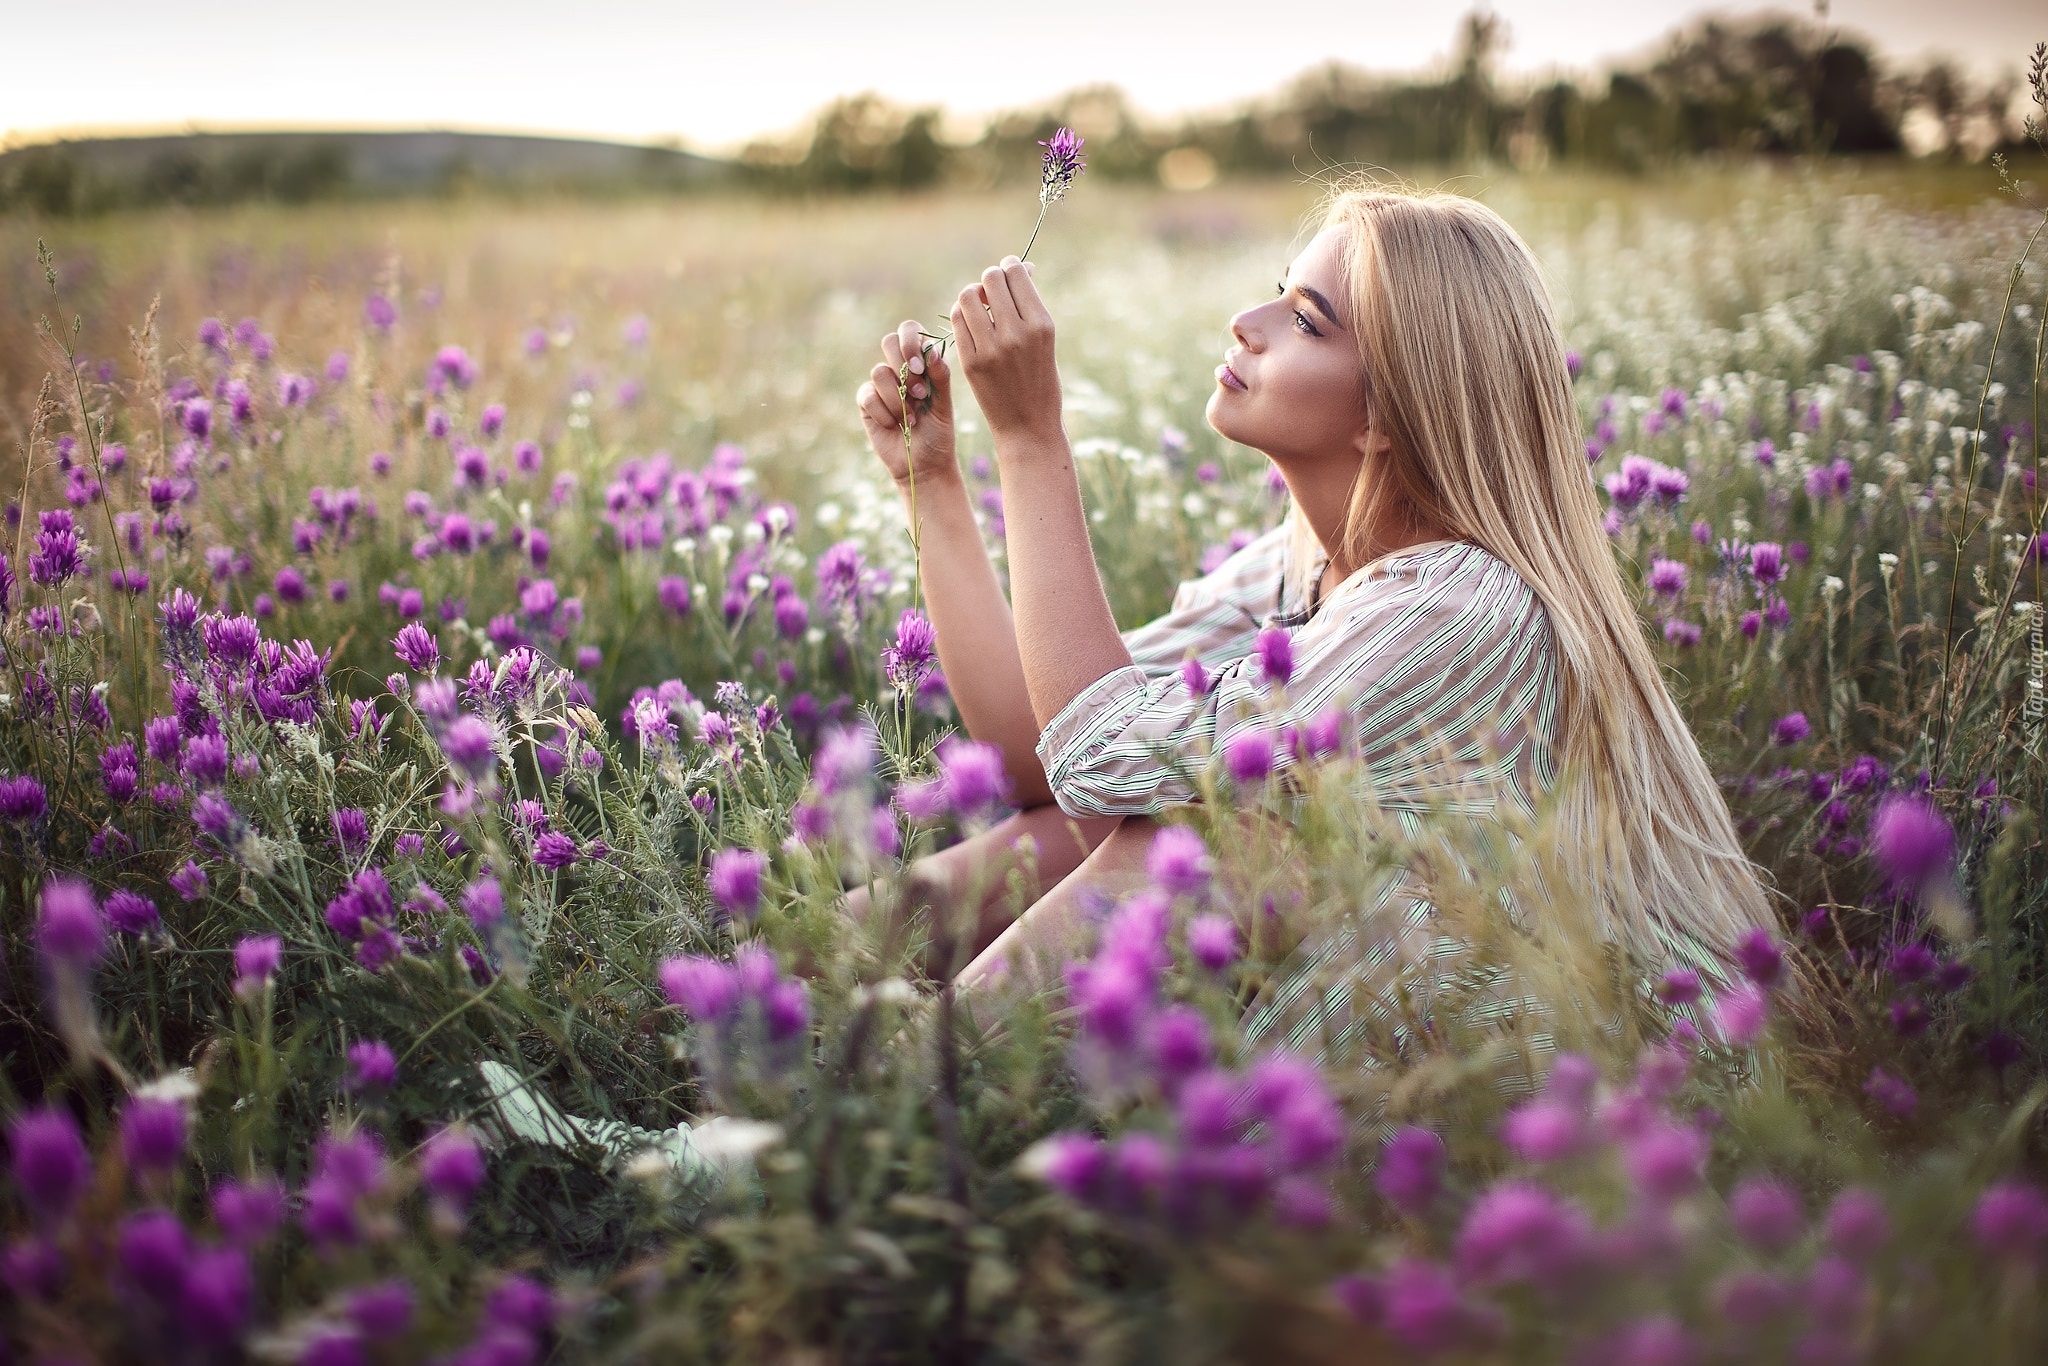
(1461, 577)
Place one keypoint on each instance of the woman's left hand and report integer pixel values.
(1005, 338)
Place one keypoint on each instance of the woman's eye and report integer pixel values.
(1306, 325)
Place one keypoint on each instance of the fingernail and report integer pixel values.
(917, 365)
(917, 391)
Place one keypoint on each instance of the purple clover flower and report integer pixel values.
(1248, 757)
(153, 1134)
(735, 882)
(451, 1167)
(1178, 862)
(1911, 840)
(1212, 941)
(555, 850)
(972, 776)
(22, 800)
(417, 648)
(249, 1212)
(2011, 1221)
(1275, 651)
(915, 652)
(256, 962)
(381, 1311)
(49, 1161)
(153, 1249)
(69, 927)
(131, 912)
(1766, 1214)
(372, 1066)
(1790, 729)
(351, 831)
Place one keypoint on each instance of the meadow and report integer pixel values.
(445, 700)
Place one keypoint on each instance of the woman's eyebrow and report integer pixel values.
(1322, 306)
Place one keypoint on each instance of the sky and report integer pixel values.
(714, 75)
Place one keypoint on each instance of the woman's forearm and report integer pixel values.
(1065, 633)
(976, 636)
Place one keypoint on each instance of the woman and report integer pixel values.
(1444, 579)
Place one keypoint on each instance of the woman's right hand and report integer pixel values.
(931, 407)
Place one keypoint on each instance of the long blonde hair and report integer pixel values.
(1465, 372)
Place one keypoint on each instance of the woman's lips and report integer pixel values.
(1228, 377)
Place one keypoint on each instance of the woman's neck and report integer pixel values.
(1323, 492)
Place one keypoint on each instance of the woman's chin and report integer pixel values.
(1217, 423)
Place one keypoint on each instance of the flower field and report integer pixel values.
(456, 656)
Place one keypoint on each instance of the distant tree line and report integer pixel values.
(1762, 85)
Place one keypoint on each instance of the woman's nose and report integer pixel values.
(1243, 328)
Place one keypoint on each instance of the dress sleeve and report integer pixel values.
(1214, 617)
(1444, 658)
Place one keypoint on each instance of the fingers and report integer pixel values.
(1024, 294)
(971, 320)
(878, 396)
(995, 283)
(909, 343)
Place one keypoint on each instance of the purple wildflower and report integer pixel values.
(972, 775)
(470, 747)
(153, 1248)
(915, 652)
(1767, 563)
(1667, 578)
(1248, 756)
(69, 928)
(1178, 861)
(372, 1066)
(1766, 1214)
(1411, 1169)
(381, 1311)
(555, 850)
(1212, 941)
(1762, 960)
(1518, 1231)
(256, 961)
(131, 912)
(1790, 729)
(1911, 840)
(735, 881)
(22, 800)
(451, 1167)
(249, 1212)
(1892, 1094)
(153, 1132)
(49, 1161)
(1740, 1016)
(417, 648)
(1275, 650)
(2011, 1220)
(707, 990)
(351, 831)
(1857, 1225)
(1059, 167)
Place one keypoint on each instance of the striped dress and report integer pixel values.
(1443, 661)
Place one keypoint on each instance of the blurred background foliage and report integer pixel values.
(1767, 84)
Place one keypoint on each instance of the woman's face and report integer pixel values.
(1289, 385)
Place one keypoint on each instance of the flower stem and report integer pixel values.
(1042, 207)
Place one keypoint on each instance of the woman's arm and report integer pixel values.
(977, 637)
(1066, 637)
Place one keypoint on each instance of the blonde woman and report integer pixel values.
(1443, 579)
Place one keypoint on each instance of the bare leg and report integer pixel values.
(1058, 926)
(1027, 853)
